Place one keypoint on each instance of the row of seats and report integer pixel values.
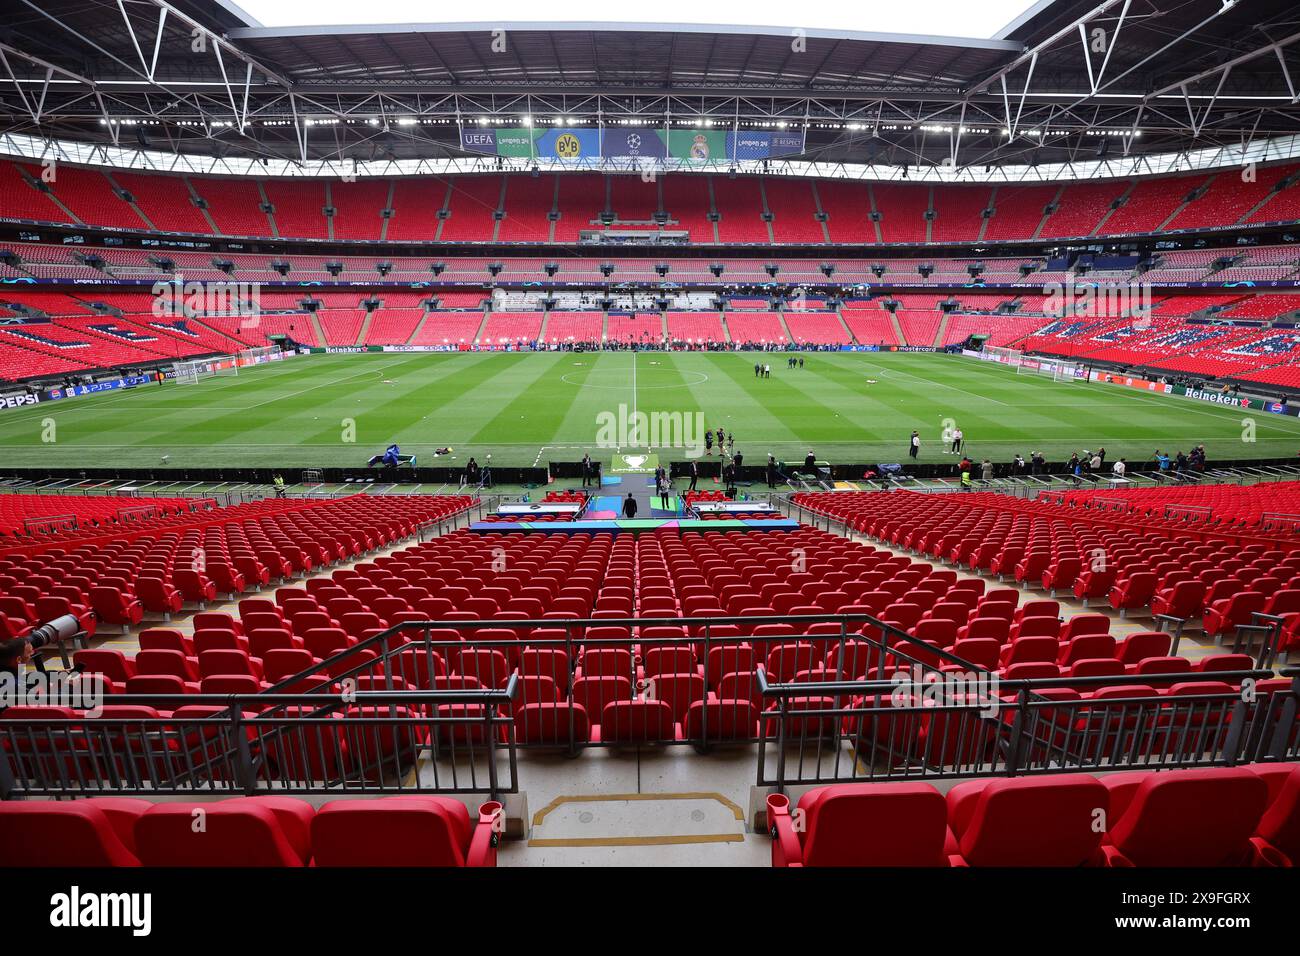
(1223, 571)
(196, 556)
(749, 209)
(402, 831)
(1222, 817)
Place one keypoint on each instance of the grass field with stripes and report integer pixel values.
(530, 408)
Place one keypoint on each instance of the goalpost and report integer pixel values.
(267, 353)
(1006, 356)
(232, 364)
(189, 373)
(1057, 371)
(1064, 373)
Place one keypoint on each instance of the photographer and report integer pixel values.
(14, 652)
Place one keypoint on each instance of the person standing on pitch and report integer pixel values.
(664, 486)
(956, 440)
(629, 506)
(914, 445)
(771, 471)
(586, 469)
(695, 474)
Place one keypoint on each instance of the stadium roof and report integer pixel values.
(1064, 82)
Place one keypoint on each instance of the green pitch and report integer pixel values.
(528, 409)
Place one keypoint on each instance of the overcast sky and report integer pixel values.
(953, 18)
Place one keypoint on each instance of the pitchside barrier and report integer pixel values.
(446, 706)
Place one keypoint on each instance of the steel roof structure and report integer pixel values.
(1066, 82)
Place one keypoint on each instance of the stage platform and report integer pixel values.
(634, 525)
(522, 509)
(733, 507)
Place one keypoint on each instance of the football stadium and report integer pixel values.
(566, 438)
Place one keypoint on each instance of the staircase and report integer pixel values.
(317, 329)
(365, 329)
(943, 327)
(898, 329)
(415, 333)
(482, 326)
(848, 333)
(785, 328)
(1110, 212)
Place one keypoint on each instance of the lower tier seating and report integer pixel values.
(404, 831)
(1221, 817)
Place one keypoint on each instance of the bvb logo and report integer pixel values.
(567, 146)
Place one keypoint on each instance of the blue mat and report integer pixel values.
(610, 480)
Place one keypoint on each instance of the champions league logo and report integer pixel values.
(634, 143)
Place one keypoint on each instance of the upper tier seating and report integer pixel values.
(358, 208)
(1018, 210)
(739, 203)
(1081, 208)
(526, 203)
(1150, 203)
(794, 209)
(902, 211)
(299, 207)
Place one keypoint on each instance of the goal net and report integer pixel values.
(231, 364)
(188, 373)
(1056, 371)
(257, 356)
(1004, 355)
